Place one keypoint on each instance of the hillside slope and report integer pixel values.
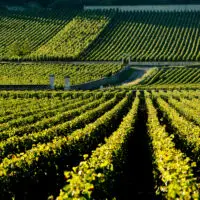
(149, 36)
(100, 36)
(38, 73)
(75, 37)
(23, 32)
(173, 75)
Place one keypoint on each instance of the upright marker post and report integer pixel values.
(122, 61)
(52, 81)
(67, 83)
(129, 60)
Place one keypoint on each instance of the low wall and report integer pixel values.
(147, 8)
(96, 84)
(185, 63)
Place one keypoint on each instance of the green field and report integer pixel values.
(137, 137)
(149, 36)
(86, 27)
(100, 141)
(100, 35)
(23, 32)
(38, 73)
(173, 76)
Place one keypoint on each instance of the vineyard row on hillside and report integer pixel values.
(23, 32)
(100, 35)
(38, 74)
(172, 75)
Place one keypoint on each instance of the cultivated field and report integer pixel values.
(173, 75)
(100, 35)
(135, 141)
(38, 73)
(23, 32)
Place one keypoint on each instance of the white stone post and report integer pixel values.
(52, 80)
(122, 61)
(67, 83)
(129, 60)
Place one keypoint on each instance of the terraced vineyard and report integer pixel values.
(38, 73)
(93, 138)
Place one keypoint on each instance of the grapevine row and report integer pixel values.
(65, 125)
(178, 75)
(148, 36)
(98, 173)
(168, 160)
(38, 73)
(44, 156)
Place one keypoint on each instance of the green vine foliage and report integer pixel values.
(100, 35)
(84, 136)
(148, 36)
(22, 32)
(173, 76)
(38, 73)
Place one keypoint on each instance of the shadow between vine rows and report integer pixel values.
(137, 182)
(179, 143)
(51, 182)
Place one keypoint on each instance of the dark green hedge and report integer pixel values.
(58, 3)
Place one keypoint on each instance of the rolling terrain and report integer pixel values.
(139, 138)
(101, 36)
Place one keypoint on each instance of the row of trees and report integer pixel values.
(67, 3)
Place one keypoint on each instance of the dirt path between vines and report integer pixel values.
(137, 75)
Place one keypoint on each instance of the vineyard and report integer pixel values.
(86, 27)
(149, 36)
(173, 75)
(38, 73)
(100, 35)
(84, 145)
(139, 138)
(23, 32)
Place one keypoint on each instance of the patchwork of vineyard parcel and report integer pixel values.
(139, 141)
(100, 35)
